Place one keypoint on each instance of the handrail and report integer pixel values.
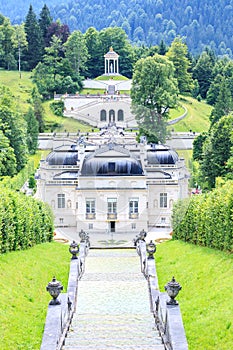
(168, 319)
(59, 317)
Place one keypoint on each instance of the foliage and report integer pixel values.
(206, 280)
(32, 131)
(13, 127)
(24, 277)
(57, 107)
(206, 219)
(34, 38)
(154, 91)
(145, 22)
(203, 72)
(198, 146)
(24, 221)
(76, 51)
(16, 182)
(177, 53)
(216, 151)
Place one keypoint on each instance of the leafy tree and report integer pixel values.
(19, 42)
(32, 131)
(154, 91)
(61, 31)
(76, 51)
(7, 156)
(55, 74)
(13, 127)
(34, 39)
(7, 50)
(177, 53)
(94, 49)
(38, 109)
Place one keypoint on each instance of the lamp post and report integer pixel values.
(172, 288)
(151, 249)
(54, 288)
(74, 250)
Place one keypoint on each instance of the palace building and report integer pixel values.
(107, 182)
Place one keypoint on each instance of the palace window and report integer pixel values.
(112, 205)
(163, 200)
(61, 201)
(133, 205)
(90, 206)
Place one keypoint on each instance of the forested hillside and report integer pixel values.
(202, 23)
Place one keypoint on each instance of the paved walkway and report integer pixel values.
(113, 240)
(113, 308)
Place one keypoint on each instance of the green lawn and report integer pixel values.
(111, 77)
(20, 88)
(206, 296)
(24, 276)
(197, 118)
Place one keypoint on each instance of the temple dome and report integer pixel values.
(160, 154)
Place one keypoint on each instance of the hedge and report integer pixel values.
(206, 219)
(24, 221)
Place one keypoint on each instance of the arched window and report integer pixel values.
(103, 115)
(120, 115)
(111, 116)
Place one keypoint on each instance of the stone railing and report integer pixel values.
(60, 313)
(167, 314)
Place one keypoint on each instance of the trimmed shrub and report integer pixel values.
(24, 221)
(206, 219)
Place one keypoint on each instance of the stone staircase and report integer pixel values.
(113, 308)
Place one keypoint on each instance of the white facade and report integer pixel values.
(112, 183)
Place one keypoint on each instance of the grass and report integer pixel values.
(205, 299)
(206, 296)
(20, 88)
(62, 124)
(197, 118)
(111, 77)
(24, 299)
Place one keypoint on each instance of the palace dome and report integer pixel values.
(61, 156)
(159, 154)
(111, 161)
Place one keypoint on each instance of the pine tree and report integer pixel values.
(45, 21)
(34, 39)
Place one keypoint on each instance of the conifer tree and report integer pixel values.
(34, 39)
(45, 21)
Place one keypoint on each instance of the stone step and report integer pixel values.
(113, 347)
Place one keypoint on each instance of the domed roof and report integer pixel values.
(111, 161)
(111, 54)
(62, 156)
(159, 154)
